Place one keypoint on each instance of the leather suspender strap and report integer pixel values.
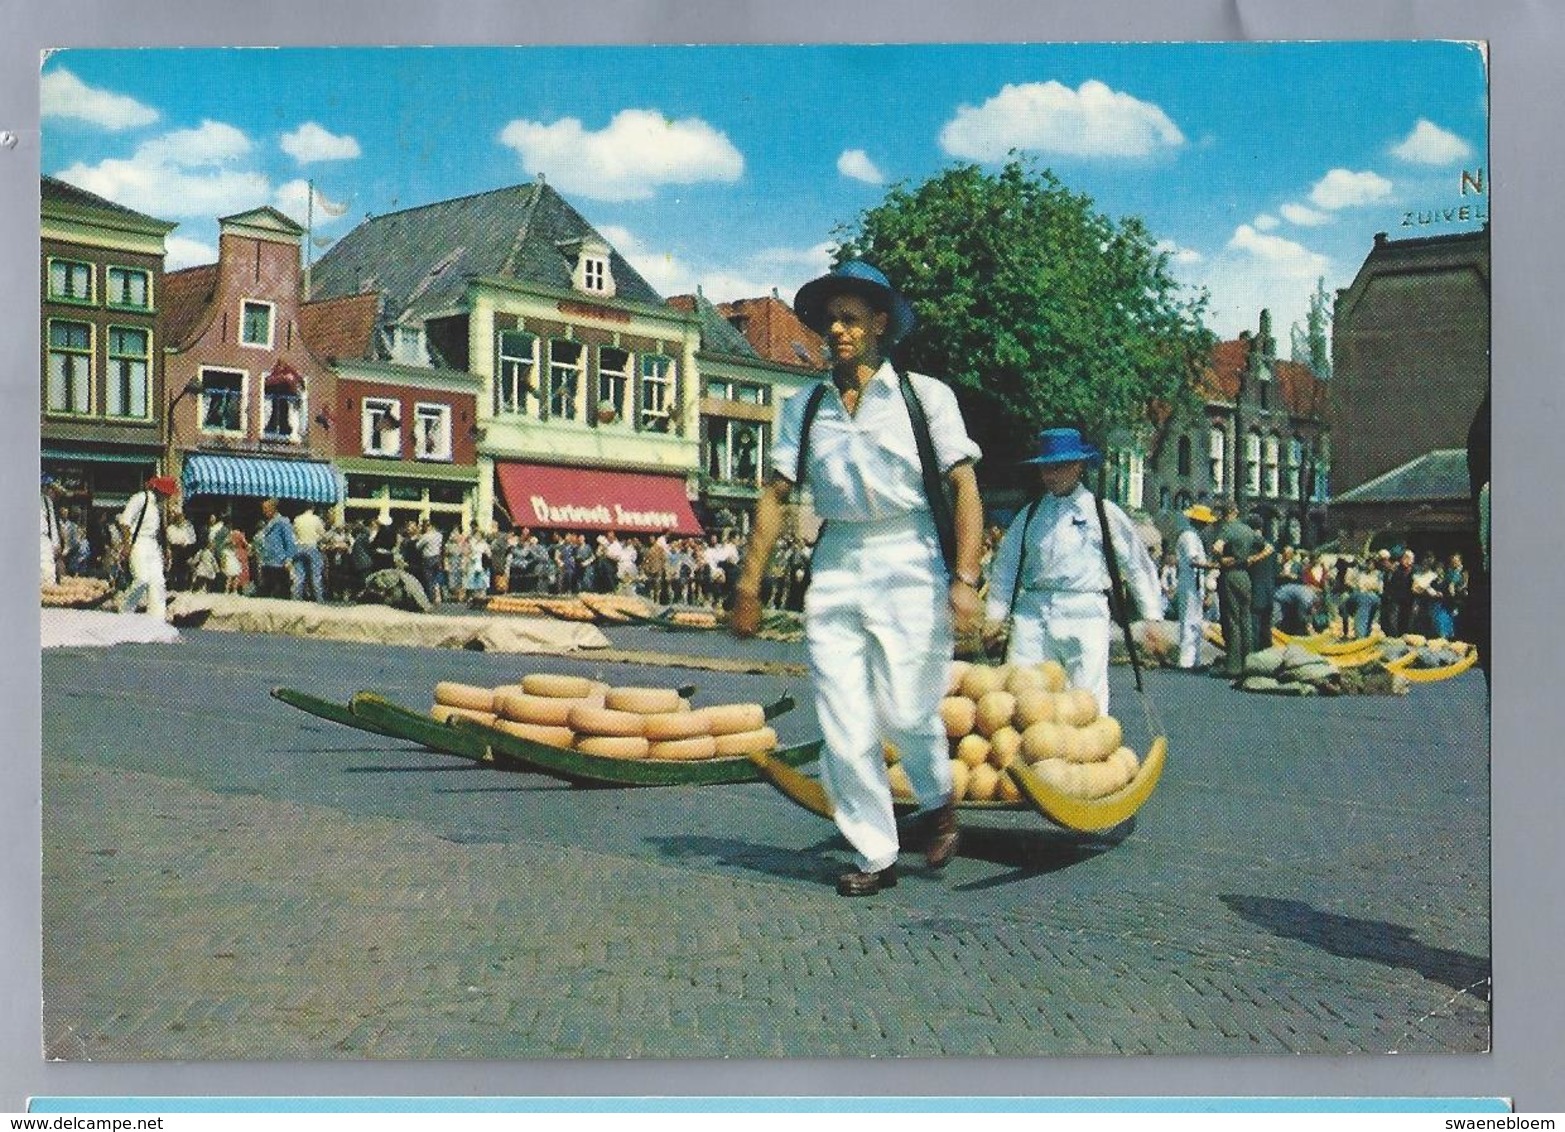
(934, 485)
(811, 407)
(1021, 562)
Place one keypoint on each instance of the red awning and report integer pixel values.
(587, 499)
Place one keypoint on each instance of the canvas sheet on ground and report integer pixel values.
(456, 326)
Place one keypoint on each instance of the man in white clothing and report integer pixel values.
(51, 542)
(1190, 587)
(882, 600)
(1050, 577)
(142, 522)
(309, 566)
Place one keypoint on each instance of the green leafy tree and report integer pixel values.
(1038, 309)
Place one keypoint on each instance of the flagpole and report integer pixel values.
(309, 234)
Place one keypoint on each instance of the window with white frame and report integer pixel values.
(222, 401)
(129, 369)
(517, 378)
(70, 280)
(431, 431)
(407, 346)
(283, 412)
(613, 383)
(1252, 463)
(735, 450)
(1270, 453)
(595, 274)
(70, 367)
(1217, 459)
(381, 424)
(567, 360)
(657, 392)
(1293, 466)
(129, 287)
(1136, 477)
(255, 323)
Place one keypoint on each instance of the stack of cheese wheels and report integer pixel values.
(619, 723)
(994, 715)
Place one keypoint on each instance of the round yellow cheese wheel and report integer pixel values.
(698, 747)
(614, 746)
(733, 719)
(444, 713)
(1043, 741)
(972, 749)
(602, 721)
(747, 742)
(1025, 678)
(1054, 678)
(1004, 746)
(957, 675)
(901, 785)
(980, 680)
(959, 715)
(960, 773)
(982, 781)
(1034, 705)
(672, 725)
(537, 732)
(523, 708)
(561, 687)
(647, 701)
(469, 696)
(994, 712)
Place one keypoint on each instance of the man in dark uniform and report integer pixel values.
(1235, 548)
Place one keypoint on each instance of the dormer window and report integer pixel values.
(407, 346)
(591, 273)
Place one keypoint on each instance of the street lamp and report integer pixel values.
(193, 386)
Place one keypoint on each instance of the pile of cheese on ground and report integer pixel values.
(596, 719)
(74, 592)
(996, 715)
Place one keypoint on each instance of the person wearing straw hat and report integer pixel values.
(1051, 578)
(1190, 585)
(890, 582)
(143, 523)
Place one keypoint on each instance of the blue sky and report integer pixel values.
(1261, 167)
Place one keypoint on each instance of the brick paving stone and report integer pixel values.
(319, 893)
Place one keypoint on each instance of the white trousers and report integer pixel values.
(1069, 627)
(1192, 628)
(146, 577)
(46, 564)
(878, 625)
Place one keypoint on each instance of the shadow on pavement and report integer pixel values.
(1375, 940)
(814, 863)
(1029, 852)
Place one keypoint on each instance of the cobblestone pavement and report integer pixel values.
(226, 877)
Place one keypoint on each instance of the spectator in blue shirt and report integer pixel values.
(276, 547)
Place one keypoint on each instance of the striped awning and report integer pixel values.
(261, 478)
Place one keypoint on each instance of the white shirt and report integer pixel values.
(143, 502)
(1192, 554)
(1065, 554)
(865, 467)
(308, 528)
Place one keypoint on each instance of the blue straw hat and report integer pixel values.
(855, 277)
(1063, 446)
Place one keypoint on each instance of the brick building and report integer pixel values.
(101, 344)
(1410, 353)
(246, 393)
(586, 411)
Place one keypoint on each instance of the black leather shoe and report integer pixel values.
(944, 837)
(859, 883)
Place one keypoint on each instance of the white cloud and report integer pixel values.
(752, 276)
(185, 252)
(1343, 188)
(183, 173)
(1265, 222)
(1091, 121)
(293, 198)
(1256, 271)
(1179, 255)
(855, 163)
(629, 159)
(1428, 144)
(63, 95)
(1303, 217)
(313, 142)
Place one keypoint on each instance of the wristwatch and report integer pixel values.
(976, 581)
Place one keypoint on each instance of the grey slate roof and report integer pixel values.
(1441, 474)
(420, 258)
(718, 335)
(54, 190)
